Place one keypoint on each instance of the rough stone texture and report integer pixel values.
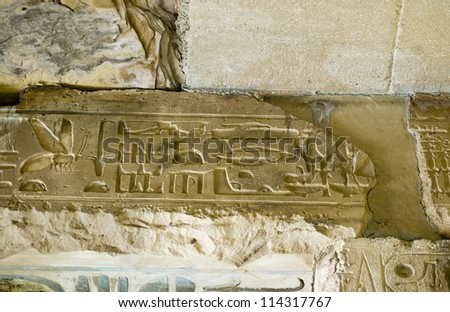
(234, 239)
(48, 43)
(290, 46)
(422, 54)
(429, 121)
(248, 241)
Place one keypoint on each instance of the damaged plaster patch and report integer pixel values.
(238, 239)
(327, 266)
(376, 124)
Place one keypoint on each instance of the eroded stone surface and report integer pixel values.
(177, 148)
(88, 45)
(393, 265)
(429, 121)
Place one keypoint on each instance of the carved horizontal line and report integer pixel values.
(423, 254)
(145, 270)
(423, 119)
(188, 115)
(183, 200)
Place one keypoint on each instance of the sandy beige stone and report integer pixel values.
(64, 190)
(289, 46)
(392, 265)
(422, 54)
(61, 196)
(379, 125)
(429, 120)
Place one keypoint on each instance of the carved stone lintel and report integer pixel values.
(178, 151)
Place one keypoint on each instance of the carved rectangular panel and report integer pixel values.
(430, 121)
(97, 272)
(64, 149)
(392, 265)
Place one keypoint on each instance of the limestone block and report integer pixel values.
(393, 265)
(88, 45)
(422, 56)
(289, 46)
(99, 272)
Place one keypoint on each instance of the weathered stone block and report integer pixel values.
(88, 45)
(222, 193)
(289, 46)
(378, 124)
(430, 120)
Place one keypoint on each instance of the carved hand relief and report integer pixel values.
(181, 155)
(430, 122)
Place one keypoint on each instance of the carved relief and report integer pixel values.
(175, 158)
(429, 117)
(121, 275)
(388, 266)
(59, 146)
(154, 24)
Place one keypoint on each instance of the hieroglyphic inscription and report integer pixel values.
(430, 121)
(98, 157)
(385, 266)
(436, 149)
(68, 273)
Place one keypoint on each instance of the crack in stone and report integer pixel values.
(392, 62)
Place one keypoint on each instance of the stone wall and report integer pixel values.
(308, 151)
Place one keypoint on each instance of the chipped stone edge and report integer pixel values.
(425, 181)
(327, 265)
(183, 27)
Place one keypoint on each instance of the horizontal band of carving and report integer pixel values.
(177, 156)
